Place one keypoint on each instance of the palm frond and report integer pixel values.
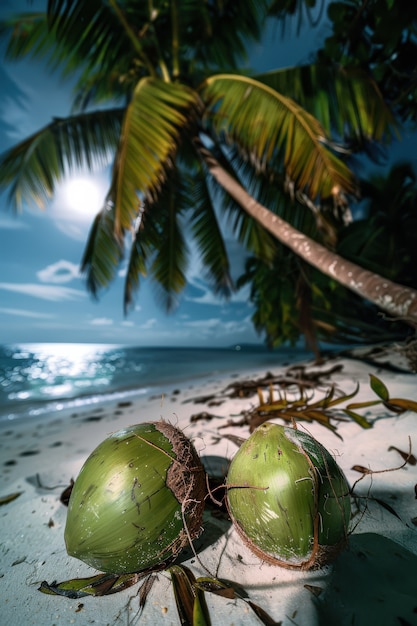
(290, 11)
(268, 126)
(170, 262)
(233, 23)
(346, 100)
(103, 252)
(154, 121)
(28, 36)
(249, 232)
(33, 167)
(95, 87)
(138, 260)
(184, 202)
(208, 235)
(64, 35)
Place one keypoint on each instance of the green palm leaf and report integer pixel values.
(248, 231)
(103, 252)
(154, 121)
(345, 100)
(169, 264)
(33, 167)
(267, 126)
(219, 36)
(64, 36)
(138, 259)
(208, 235)
(28, 36)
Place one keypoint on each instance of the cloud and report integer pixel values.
(209, 297)
(150, 323)
(59, 272)
(53, 293)
(101, 321)
(212, 322)
(218, 327)
(25, 313)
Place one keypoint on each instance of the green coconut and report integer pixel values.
(288, 498)
(138, 500)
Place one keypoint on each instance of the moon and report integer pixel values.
(77, 200)
(82, 198)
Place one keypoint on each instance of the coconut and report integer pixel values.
(138, 500)
(288, 498)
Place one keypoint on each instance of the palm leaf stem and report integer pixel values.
(397, 300)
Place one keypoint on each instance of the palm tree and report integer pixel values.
(190, 134)
(292, 299)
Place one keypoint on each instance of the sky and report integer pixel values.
(42, 294)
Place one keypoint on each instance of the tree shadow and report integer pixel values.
(373, 582)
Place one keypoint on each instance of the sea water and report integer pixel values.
(41, 378)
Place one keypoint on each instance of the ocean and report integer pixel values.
(37, 379)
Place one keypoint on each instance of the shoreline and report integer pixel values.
(143, 376)
(39, 458)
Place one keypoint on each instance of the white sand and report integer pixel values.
(373, 582)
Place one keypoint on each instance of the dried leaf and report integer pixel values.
(200, 612)
(270, 407)
(318, 416)
(238, 441)
(191, 605)
(401, 404)
(145, 589)
(316, 591)
(262, 615)
(363, 405)
(394, 408)
(260, 397)
(407, 456)
(359, 419)
(230, 590)
(301, 408)
(65, 495)
(98, 585)
(361, 469)
(203, 415)
(10, 497)
(329, 401)
(183, 584)
(218, 587)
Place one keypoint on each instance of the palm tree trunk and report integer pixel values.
(396, 300)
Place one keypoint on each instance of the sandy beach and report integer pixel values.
(374, 581)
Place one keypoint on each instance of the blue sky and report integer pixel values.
(42, 295)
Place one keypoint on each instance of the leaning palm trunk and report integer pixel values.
(397, 300)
